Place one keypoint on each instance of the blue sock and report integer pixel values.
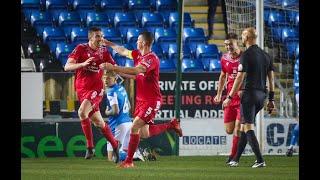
(295, 135)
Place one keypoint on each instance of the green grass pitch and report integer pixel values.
(166, 167)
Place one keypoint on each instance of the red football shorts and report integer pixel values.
(231, 113)
(95, 97)
(147, 110)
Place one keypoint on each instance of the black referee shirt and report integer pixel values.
(256, 63)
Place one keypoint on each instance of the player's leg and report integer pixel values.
(106, 131)
(294, 138)
(109, 152)
(83, 113)
(252, 110)
(156, 129)
(133, 142)
(229, 124)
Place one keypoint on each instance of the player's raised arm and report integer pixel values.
(72, 65)
(125, 70)
(119, 49)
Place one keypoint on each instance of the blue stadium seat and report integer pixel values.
(289, 34)
(215, 65)
(193, 35)
(112, 34)
(30, 4)
(156, 48)
(193, 47)
(124, 20)
(83, 5)
(113, 5)
(297, 50)
(166, 5)
(79, 35)
(173, 51)
(132, 34)
(174, 20)
(97, 19)
(27, 6)
(40, 18)
(266, 13)
(291, 49)
(151, 20)
(134, 5)
(294, 17)
(288, 3)
(53, 34)
(68, 20)
(207, 51)
(167, 65)
(276, 34)
(56, 4)
(277, 18)
(62, 52)
(165, 35)
(191, 65)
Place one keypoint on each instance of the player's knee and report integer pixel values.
(82, 114)
(134, 130)
(229, 130)
(98, 124)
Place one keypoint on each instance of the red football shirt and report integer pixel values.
(147, 86)
(90, 77)
(230, 67)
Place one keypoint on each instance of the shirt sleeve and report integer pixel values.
(135, 54)
(223, 67)
(148, 63)
(113, 98)
(243, 65)
(109, 58)
(75, 54)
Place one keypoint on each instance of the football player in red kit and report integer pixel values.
(148, 96)
(229, 70)
(85, 60)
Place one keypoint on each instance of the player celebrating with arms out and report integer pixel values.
(85, 60)
(230, 62)
(148, 96)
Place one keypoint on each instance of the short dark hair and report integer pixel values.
(147, 37)
(232, 36)
(93, 29)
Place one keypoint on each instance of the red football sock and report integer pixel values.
(133, 145)
(87, 131)
(107, 133)
(158, 128)
(234, 149)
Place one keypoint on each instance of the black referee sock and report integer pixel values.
(241, 145)
(253, 142)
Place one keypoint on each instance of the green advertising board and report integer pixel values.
(60, 139)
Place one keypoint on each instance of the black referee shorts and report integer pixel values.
(252, 101)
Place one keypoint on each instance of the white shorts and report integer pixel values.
(122, 134)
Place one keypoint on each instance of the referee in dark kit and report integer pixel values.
(254, 68)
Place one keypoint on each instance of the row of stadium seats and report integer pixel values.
(283, 3)
(65, 19)
(275, 17)
(158, 5)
